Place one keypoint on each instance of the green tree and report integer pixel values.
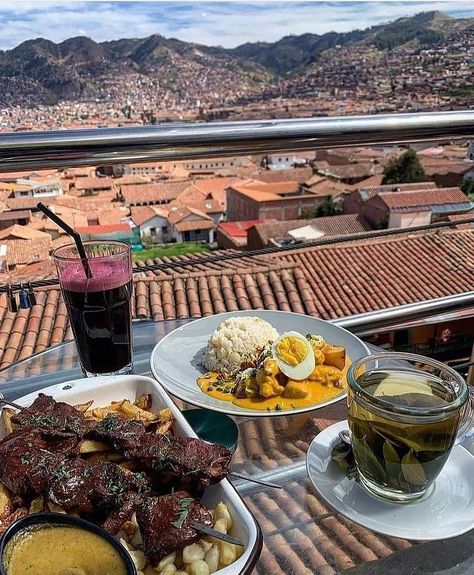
(468, 187)
(327, 208)
(404, 170)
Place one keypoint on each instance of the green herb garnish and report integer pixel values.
(39, 419)
(183, 512)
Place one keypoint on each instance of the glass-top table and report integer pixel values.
(302, 534)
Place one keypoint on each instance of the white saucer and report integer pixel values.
(446, 511)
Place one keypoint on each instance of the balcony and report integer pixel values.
(301, 533)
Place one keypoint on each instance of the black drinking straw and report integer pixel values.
(70, 231)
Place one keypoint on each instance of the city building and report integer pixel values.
(261, 201)
(23, 246)
(37, 187)
(263, 234)
(93, 186)
(408, 209)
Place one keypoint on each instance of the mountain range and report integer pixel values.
(40, 71)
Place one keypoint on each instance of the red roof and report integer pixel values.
(425, 198)
(104, 229)
(239, 229)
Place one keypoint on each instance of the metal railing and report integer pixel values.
(68, 148)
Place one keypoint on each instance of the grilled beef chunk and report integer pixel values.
(101, 487)
(165, 523)
(25, 462)
(116, 518)
(122, 434)
(184, 456)
(47, 414)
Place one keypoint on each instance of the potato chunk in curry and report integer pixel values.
(296, 389)
(334, 355)
(327, 375)
(267, 381)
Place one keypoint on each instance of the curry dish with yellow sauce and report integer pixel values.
(292, 372)
(61, 550)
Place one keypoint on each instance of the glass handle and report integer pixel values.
(466, 426)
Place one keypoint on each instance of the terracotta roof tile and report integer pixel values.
(261, 233)
(328, 281)
(140, 215)
(299, 175)
(425, 198)
(347, 171)
(23, 233)
(372, 190)
(152, 193)
(94, 184)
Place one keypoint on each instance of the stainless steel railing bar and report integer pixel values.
(63, 148)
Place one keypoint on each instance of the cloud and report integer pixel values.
(212, 23)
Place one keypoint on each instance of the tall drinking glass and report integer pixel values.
(99, 307)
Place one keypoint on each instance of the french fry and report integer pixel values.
(6, 503)
(54, 507)
(83, 407)
(91, 446)
(7, 414)
(133, 412)
(165, 417)
(36, 506)
(144, 401)
(102, 412)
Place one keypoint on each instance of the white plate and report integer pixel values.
(176, 359)
(103, 390)
(446, 511)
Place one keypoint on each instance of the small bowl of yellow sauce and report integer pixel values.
(59, 544)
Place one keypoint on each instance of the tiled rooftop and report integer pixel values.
(153, 193)
(372, 190)
(94, 183)
(328, 281)
(425, 198)
(331, 226)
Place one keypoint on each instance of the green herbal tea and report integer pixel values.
(391, 452)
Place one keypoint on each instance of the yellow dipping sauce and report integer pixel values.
(61, 550)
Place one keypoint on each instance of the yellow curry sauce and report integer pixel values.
(318, 393)
(61, 550)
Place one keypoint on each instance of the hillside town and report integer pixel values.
(355, 78)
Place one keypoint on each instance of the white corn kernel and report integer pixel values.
(139, 558)
(221, 512)
(206, 545)
(193, 552)
(170, 569)
(168, 560)
(228, 553)
(212, 558)
(199, 567)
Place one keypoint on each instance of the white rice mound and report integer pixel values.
(235, 340)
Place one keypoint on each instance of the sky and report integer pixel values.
(213, 23)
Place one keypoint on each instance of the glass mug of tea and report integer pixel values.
(405, 412)
(97, 292)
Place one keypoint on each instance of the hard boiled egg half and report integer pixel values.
(294, 355)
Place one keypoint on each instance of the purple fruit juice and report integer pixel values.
(100, 313)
